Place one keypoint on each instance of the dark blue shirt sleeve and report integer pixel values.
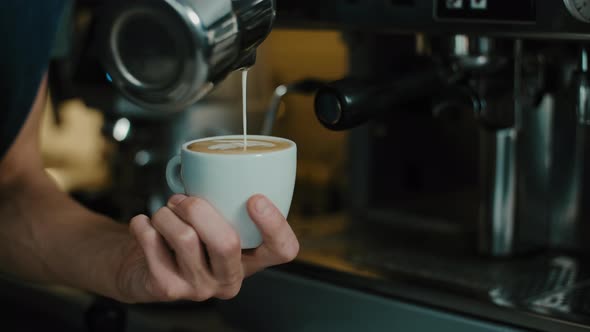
(27, 32)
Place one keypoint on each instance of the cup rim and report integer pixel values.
(185, 146)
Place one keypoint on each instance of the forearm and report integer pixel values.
(44, 235)
(47, 237)
(187, 250)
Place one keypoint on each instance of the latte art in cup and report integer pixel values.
(225, 174)
(236, 146)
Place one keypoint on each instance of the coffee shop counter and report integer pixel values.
(272, 301)
(338, 283)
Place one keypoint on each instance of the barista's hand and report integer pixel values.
(187, 251)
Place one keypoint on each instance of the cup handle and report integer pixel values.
(173, 176)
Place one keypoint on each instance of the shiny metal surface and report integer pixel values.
(583, 106)
(300, 87)
(464, 45)
(549, 148)
(166, 55)
(498, 225)
(552, 185)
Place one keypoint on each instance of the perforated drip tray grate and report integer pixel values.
(555, 286)
(563, 289)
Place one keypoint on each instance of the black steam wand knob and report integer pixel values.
(350, 102)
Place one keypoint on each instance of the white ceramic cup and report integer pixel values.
(227, 181)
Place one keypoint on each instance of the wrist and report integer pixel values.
(112, 245)
(91, 258)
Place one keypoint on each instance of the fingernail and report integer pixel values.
(175, 200)
(262, 206)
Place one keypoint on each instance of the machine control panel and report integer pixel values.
(486, 10)
(535, 19)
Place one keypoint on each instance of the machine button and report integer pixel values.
(479, 4)
(454, 4)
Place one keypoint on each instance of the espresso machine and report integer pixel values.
(466, 179)
(467, 176)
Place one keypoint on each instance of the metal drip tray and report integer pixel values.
(556, 286)
(561, 290)
(542, 291)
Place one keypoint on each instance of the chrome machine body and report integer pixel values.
(468, 152)
(167, 55)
